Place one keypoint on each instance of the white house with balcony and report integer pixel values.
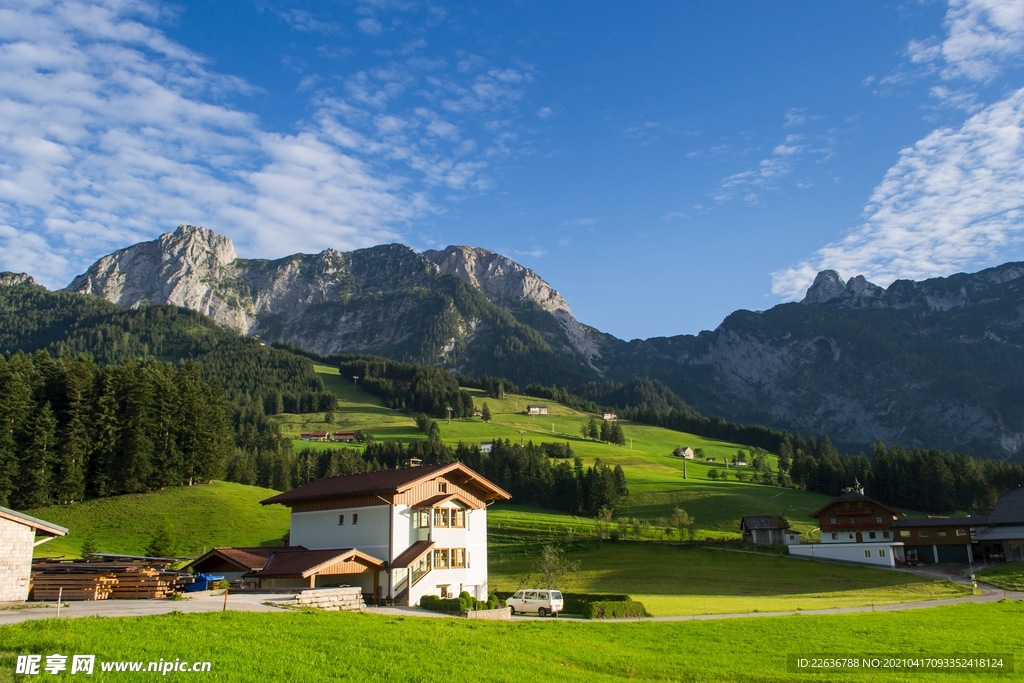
(401, 533)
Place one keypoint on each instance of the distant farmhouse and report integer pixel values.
(685, 453)
(398, 534)
(486, 446)
(610, 417)
(344, 437)
(18, 534)
(768, 530)
(855, 528)
(314, 436)
(536, 409)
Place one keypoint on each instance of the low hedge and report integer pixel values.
(576, 603)
(615, 610)
(463, 603)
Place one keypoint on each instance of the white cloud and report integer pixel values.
(111, 133)
(536, 252)
(983, 36)
(544, 112)
(370, 26)
(578, 221)
(953, 200)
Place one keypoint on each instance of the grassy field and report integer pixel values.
(683, 580)
(655, 477)
(368, 647)
(1007, 576)
(200, 517)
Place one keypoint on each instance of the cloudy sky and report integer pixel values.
(660, 164)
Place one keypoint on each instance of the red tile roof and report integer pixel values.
(300, 562)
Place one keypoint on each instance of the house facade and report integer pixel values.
(1001, 535)
(856, 529)
(425, 527)
(536, 409)
(18, 537)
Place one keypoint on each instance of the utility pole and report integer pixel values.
(522, 437)
(449, 409)
(552, 427)
(631, 443)
(684, 468)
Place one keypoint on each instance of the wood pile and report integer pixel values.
(78, 586)
(100, 579)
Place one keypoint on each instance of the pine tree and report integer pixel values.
(73, 446)
(162, 543)
(104, 432)
(133, 456)
(592, 431)
(485, 413)
(606, 431)
(35, 479)
(616, 435)
(15, 404)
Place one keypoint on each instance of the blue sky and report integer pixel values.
(660, 164)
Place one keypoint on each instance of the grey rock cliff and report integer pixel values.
(8, 279)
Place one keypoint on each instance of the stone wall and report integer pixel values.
(16, 541)
(502, 614)
(329, 599)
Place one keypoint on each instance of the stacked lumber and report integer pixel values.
(145, 583)
(76, 586)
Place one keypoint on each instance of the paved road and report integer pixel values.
(208, 602)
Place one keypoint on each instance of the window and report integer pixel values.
(442, 486)
(458, 556)
(835, 536)
(458, 518)
(440, 517)
(905, 533)
(355, 518)
(341, 520)
(878, 520)
(832, 521)
(871, 534)
(849, 535)
(519, 595)
(443, 590)
(441, 558)
(881, 553)
(885, 534)
(942, 534)
(422, 519)
(961, 532)
(867, 553)
(923, 533)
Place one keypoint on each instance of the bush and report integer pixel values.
(615, 610)
(436, 604)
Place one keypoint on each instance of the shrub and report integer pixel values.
(436, 604)
(615, 610)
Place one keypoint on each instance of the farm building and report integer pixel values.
(401, 533)
(685, 453)
(536, 409)
(854, 528)
(1002, 535)
(344, 436)
(610, 417)
(314, 436)
(18, 534)
(768, 530)
(232, 563)
(486, 446)
(936, 539)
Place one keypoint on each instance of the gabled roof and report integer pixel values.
(443, 498)
(852, 497)
(385, 481)
(42, 527)
(250, 559)
(300, 562)
(764, 522)
(1009, 508)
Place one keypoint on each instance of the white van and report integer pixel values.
(543, 602)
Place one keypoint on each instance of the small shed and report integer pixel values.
(768, 530)
(347, 436)
(486, 446)
(685, 453)
(609, 417)
(536, 409)
(232, 563)
(18, 537)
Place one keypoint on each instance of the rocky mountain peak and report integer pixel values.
(827, 285)
(8, 279)
(501, 279)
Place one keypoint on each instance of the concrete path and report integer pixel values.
(211, 602)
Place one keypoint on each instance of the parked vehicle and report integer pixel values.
(543, 602)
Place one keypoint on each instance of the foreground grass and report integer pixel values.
(200, 517)
(1006, 576)
(684, 580)
(367, 647)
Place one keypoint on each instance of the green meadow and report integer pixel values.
(306, 646)
(1006, 576)
(200, 517)
(672, 579)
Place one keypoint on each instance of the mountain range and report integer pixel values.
(937, 363)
